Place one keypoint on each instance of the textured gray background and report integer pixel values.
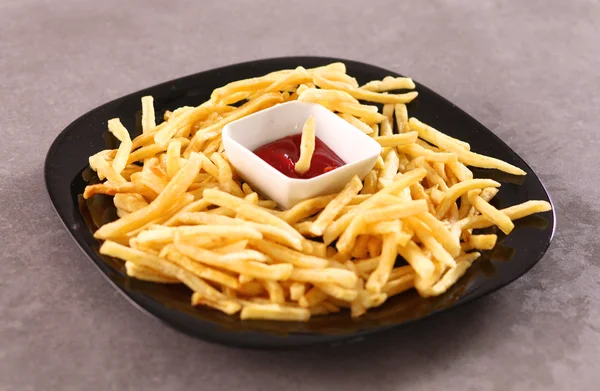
(529, 70)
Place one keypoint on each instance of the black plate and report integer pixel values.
(66, 176)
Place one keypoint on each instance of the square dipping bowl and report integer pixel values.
(242, 137)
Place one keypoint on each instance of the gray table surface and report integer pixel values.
(529, 70)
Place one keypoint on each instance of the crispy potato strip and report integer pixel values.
(186, 216)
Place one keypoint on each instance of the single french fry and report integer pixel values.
(385, 135)
(228, 306)
(147, 274)
(389, 83)
(252, 198)
(337, 291)
(234, 247)
(306, 208)
(434, 136)
(196, 206)
(230, 232)
(482, 242)
(327, 98)
(338, 76)
(307, 146)
(459, 170)
(275, 312)
(357, 307)
(119, 131)
(235, 97)
(148, 119)
(440, 169)
(490, 212)
(416, 150)
(388, 112)
(381, 274)
(334, 207)
(366, 113)
(459, 189)
(173, 158)
(401, 117)
(396, 140)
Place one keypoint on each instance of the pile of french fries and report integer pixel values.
(186, 217)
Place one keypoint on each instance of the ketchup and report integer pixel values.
(283, 154)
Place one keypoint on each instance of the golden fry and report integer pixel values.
(307, 146)
(494, 215)
(148, 120)
(275, 312)
(389, 83)
(334, 207)
(459, 189)
(396, 140)
(381, 274)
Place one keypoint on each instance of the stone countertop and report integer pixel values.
(528, 70)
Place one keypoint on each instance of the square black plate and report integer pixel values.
(66, 175)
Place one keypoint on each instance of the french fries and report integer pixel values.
(307, 146)
(186, 216)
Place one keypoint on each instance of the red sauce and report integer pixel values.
(283, 154)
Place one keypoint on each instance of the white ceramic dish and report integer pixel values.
(245, 135)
